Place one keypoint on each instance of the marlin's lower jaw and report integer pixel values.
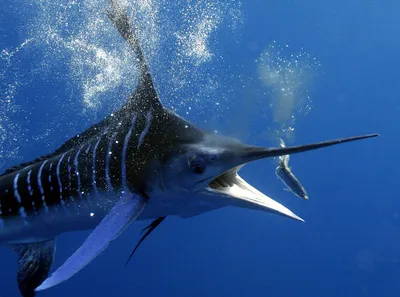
(243, 195)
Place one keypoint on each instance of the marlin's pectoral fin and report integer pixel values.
(286, 189)
(34, 262)
(118, 219)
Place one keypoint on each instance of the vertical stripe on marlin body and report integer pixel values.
(142, 162)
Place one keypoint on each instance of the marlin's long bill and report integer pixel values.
(142, 162)
(255, 153)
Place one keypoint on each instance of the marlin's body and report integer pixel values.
(74, 189)
(141, 162)
(286, 175)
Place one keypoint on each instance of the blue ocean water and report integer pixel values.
(306, 71)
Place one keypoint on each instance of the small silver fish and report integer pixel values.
(285, 174)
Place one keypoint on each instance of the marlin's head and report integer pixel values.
(206, 173)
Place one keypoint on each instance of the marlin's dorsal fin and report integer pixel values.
(143, 99)
(145, 93)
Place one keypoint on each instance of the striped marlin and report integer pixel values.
(141, 162)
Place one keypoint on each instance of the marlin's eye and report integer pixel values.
(197, 164)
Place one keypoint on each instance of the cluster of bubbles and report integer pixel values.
(199, 24)
(288, 77)
(79, 33)
(102, 67)
(9, 85)
(193, 82)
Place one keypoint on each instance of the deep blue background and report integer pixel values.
(349, 245)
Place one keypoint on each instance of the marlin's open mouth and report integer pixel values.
(244, 195)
